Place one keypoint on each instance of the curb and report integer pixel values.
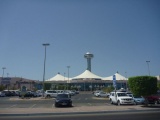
(80, 113)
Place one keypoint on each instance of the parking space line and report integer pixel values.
(53, 106)
(109, 104)
(90, 104)
(33, 106)
(11, 106)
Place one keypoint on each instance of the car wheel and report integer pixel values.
(135, 103)
(70, 105)
(48, 96)
(118, 103)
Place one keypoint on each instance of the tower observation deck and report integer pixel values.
(88, 56)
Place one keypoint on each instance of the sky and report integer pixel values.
(121, 34)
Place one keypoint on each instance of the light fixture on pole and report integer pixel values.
(148, 67)
(3, 71)
(45, 45)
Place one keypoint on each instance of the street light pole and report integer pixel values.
(3, 71)
(148, 67)
(126, 81)
(45, 45)
(68, 75)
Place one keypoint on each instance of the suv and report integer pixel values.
(120, 98)
(155, 99)
(51, 93)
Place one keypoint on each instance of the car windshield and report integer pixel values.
(130, 95)
(137, 97)
(63, 96)
(121, 94)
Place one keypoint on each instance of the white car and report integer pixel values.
(101, 94)
(120, 98)
(50, 93)
(69, 92)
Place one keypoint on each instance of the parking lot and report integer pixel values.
(82, 103)
(82, 99)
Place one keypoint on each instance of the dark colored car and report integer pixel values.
(63, 100)
(27, 94)
(8, 93)
(153, 99)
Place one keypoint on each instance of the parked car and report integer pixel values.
(69, 92)
(96, 91)
(7, 93)
(101, 94)
(153, 99)
(2, 94)
(77, 92)
(63, 100)
(137, 99)
(120, 98)
(51, 93)
(27, 94)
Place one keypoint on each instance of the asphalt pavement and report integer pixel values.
(75, 109)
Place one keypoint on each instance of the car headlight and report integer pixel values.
(57, 100)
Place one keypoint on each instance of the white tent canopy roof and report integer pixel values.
(118, 77)
(58, 77)
(158, 77)
(87, 74)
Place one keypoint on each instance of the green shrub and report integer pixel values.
(143, 85)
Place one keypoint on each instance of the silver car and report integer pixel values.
(138, 100)
(101, 94)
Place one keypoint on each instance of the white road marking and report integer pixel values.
(53, 106)
(12, 106)
(89, 104)
(33, 106)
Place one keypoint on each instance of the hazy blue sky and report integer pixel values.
(122, 35)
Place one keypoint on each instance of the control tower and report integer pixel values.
(88, 56)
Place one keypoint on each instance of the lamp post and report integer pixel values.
(64, 76)
(148, 67)
(45, 45)
(68, 76)
(3, 71)
(126, 81)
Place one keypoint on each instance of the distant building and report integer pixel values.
(18, 82)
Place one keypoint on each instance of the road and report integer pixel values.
(147, 115)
